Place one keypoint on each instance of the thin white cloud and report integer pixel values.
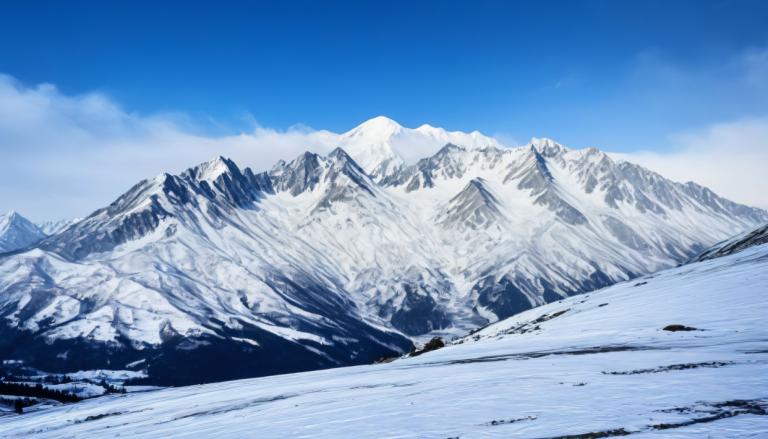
(730, 158)
(63, 156)
(754, 64)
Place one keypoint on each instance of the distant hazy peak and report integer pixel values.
(55, 226)
(17, 232)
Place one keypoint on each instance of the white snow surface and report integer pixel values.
(592, 363)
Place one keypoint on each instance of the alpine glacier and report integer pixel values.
(323, 262)
(613, 362)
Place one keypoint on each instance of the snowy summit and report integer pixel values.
(382, 146)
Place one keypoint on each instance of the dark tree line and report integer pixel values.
(48, 379)
(37, 391)
(109, 388)
(18, 404)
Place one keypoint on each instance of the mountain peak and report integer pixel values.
(547, 147)
(17, 232)
(12, 217)
(371, 145)
(475, 207)
(212, 169)
(379, 127)
(427, 127)
(478, 187)
(448, 148)
(432, 131)
(340, 158)
(339, 154)
(382, 147)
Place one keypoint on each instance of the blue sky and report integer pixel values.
(624, 76)
(594, 72)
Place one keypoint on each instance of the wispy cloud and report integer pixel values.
(728, 157)
(67, 155)
(64, 156)
(755, 65)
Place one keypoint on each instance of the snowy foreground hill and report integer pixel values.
(680, 353)
(340, 259)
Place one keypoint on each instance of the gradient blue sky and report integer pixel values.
(617, 73)
(668, 82)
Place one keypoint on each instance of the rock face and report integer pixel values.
(321, 261)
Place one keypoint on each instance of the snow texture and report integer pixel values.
(595, 365)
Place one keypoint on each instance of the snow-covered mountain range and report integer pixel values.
(680, 353)
(330, 260)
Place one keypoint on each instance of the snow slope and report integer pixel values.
(595, 365)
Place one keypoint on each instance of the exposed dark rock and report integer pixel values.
(497, 422)
(594, 434)
(419, 313)
(432, 345)
(717, 411)
(672, 367)
(504, 298)
(541, 354)
(675, 328)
